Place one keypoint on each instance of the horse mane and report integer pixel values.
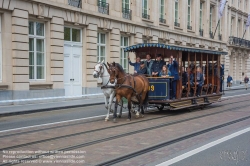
(119, 67)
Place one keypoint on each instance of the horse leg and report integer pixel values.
(129, 109)
(106, 106)
(121, 105)
(118, 98)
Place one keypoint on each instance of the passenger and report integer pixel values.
(136, 64)
(157, 65)
(143, 69)
(199, 80)
(148, 64)
(164, 71)
(229, 81)
(173, 68)
(184, 77)
(190, 75)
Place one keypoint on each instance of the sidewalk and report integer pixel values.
(31, 108)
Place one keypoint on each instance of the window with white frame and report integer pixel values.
(239, 3)
(1, 49)
(231, 32)
(245, 5)
(124, 55)
(232, 2)
(201, 15)
(36, 51)
(101, 47)
(210, 18)
(125, 4)
(238, 29)
(189, 13)
(176, 10)
(72, 34)
(145, 7)
(162, 6)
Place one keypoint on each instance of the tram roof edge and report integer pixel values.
(133, 48)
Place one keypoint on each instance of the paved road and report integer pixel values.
(233, 152)
(19, 121)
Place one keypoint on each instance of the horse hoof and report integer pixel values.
(119, 116)
(106, 120)
(137, 116)
(142, 116)
(128, 119)
(114, 120)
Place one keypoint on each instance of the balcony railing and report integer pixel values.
(127, 13)
(176, 24)
(239, 42)
(211, 35)
(75, 3)
(146, 16)
(201, 32)
(162, 20)
(189, 27)
(103, 7)
(220, 36)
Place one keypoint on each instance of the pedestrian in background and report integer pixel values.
(229, 81)
(246, 80)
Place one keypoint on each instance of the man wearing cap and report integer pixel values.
(143, 69)
(157, 65)
(136, 64)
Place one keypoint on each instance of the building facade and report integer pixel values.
(49, 48)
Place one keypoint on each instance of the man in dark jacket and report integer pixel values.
(157, 65)
(136, 64)
(173, 67)
(199, 80)
(184, 77)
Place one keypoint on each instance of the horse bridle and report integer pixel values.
(99, 72)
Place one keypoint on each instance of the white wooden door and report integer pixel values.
(72, 70)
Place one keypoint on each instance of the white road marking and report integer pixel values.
(202, 148)
(236, 96)
(46, 124)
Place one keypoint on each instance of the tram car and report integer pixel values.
(161, 88)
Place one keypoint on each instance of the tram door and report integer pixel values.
(72, 70)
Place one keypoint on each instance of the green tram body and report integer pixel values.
(159, 89)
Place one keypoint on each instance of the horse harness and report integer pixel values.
(117, 86)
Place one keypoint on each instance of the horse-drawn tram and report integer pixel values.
(194, 78)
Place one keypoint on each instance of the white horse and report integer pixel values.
(108, 89)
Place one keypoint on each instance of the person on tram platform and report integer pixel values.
(136, 64)
(173, 68)
(164, 71)
(148, 64)
(199, 80)
(143, 69)
(190, 76)
(184, 77)
(157, 65)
